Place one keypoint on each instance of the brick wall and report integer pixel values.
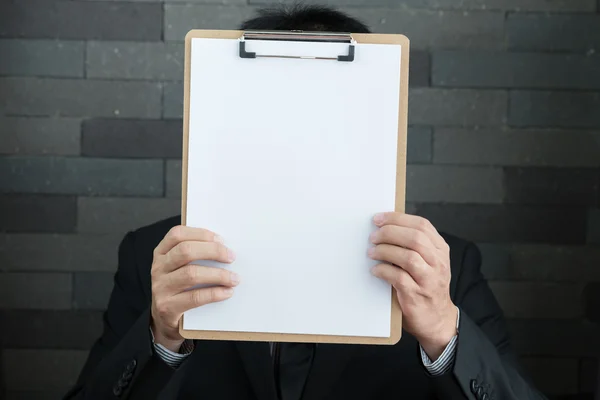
(504, 149)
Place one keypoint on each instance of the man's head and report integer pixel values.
(304, 18)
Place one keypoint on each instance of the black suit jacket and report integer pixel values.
(121, 363)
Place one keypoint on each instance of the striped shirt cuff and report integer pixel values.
(169, 357)
(444, 363)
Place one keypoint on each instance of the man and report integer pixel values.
(455, 343)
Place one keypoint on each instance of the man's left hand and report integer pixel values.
(416, 262)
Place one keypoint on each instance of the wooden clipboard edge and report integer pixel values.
(396, 315)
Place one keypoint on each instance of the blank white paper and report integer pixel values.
(289, 160)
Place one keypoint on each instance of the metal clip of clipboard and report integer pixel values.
(298, 36)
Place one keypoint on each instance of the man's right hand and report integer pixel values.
(173, 275)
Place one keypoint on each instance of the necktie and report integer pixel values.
(292, 364)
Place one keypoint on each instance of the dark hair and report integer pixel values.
(304, 18)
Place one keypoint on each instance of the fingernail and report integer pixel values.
(218, 239)
(374, 271)
(371, 251)
(228, 292)
(235, 278)
(378, 218)
(230, 255)
(372, 236)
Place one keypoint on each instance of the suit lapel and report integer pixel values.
(328, 365)
(256, 357)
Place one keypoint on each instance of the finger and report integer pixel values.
(182, 233)
(411, 221)
(408, 238)
(186, 252)
(192, 275)
(397, 277)
(408, 260)
(186, 301)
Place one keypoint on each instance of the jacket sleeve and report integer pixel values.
(121, 364)
(485, 367)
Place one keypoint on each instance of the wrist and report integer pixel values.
(435, 343)
(169, 344)
(172, 344)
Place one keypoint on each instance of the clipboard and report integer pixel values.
(244, 52)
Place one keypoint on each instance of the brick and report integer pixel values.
(557, 338)
(533, 300)
(41, 57)
(591, 297)
(173, 100)
(36, 136)
(222, 2)
(573, 186)
(454, 184)
(588, 370)
(461, 107)
(540, 262)
(83, 176)
(532, 5)
(553, 376)
(502, 146)
(515, 70)
(225, 2)
(554, 109)
(91, 290)
(132, 138)
(508, 223)
(42, 369)
(173, 178)
(50, 329)
(80, 98)
(80, 20)
(135, 60)
(419, 146)
(26, 213)
(58, 252)
(553, 32)
(593, 233)
(516, 5)
(41, 291)
(120, 215)
(435, 29)
(181, 18)
(419, 69)
(520, 5)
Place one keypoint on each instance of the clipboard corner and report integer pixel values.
(213, 34)
(382, 38)
(191, 34)
(395, 337)
(404, 39)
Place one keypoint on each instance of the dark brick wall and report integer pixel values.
(504, 149)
